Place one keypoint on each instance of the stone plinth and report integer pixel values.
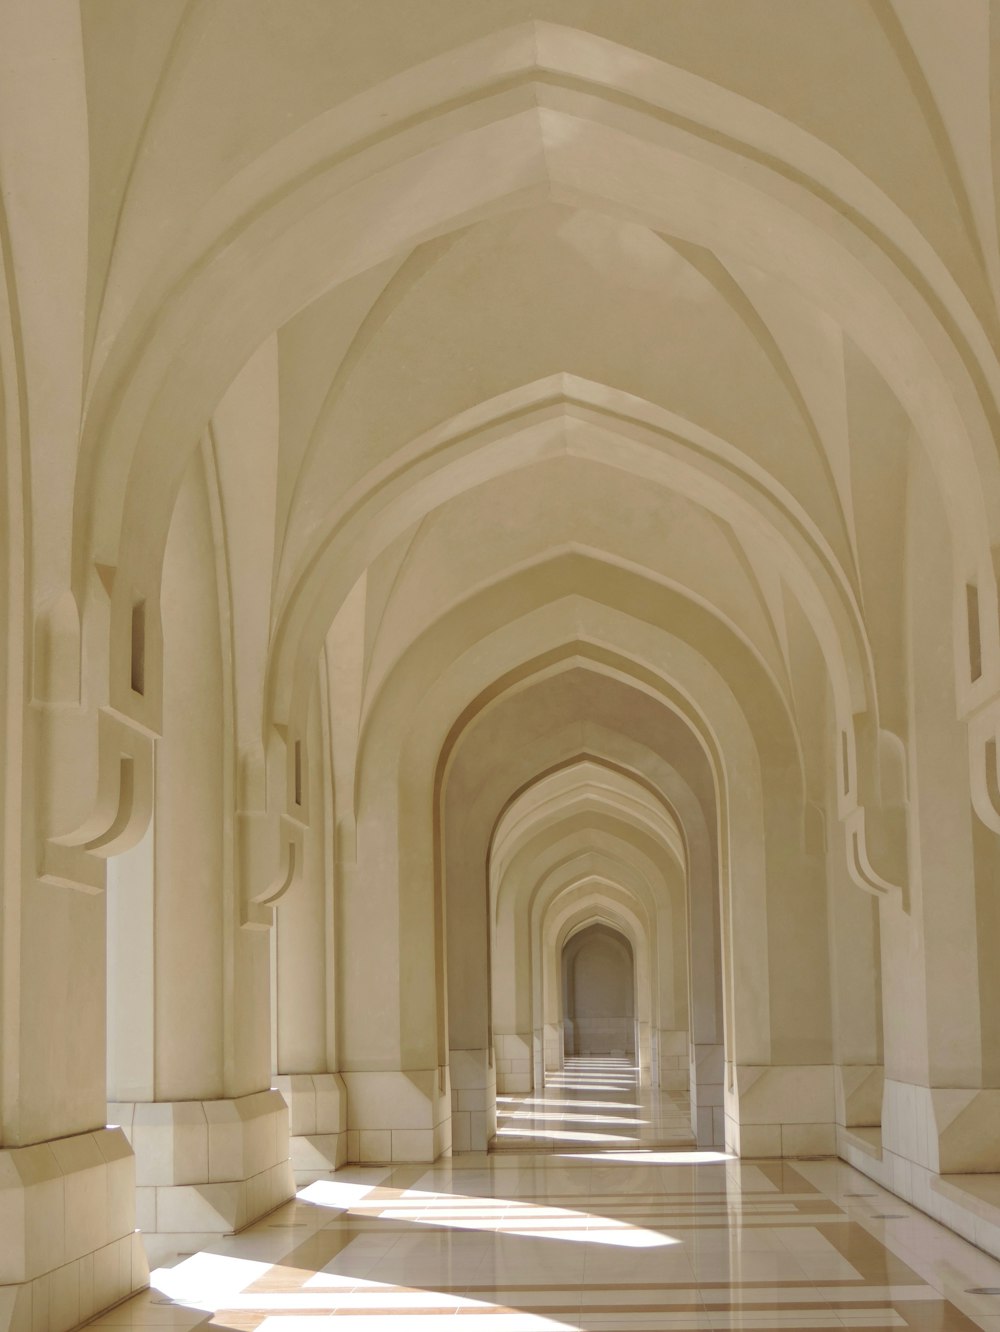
(397, 1115)
(68, 1243)
(473, 1100)
(207, 1167)
(514, 1059)
(317, 1108)
(775, 1110)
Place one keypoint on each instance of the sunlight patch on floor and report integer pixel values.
(499, 1215)
(655, 1158)
(569, 1117)
(563, 1135)
(208, 1281)
(213, 1282)
(574, 1104)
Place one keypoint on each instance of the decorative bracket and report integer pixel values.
(874, 811)
(984, 765)
(123, 800)
(270, 860)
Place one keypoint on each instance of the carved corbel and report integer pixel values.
(877, 852)
(270, 860)
(984, 765)
(875, 812)
(270, 827)
(122, 804)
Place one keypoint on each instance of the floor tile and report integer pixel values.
(557, 1240)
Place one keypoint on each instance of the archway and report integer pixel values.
(598, 984)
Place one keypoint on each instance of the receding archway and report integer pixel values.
(598, 986)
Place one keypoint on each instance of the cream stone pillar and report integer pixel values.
(398, 1088)
(398, 1092)
(68, 1247)
(190, 1069)
(384, 984)
(305, 1029)
(471, 1053)
(780, 1090)
(68, 1243)
(706, 1049)
(517, 1068)
(856, 982)
(942, 1045)
(471, 1056)
(391, 992)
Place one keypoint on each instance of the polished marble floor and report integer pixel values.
(617, 1236)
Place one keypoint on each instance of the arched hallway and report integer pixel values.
(499, 528)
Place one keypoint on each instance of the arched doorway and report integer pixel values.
(598, 980)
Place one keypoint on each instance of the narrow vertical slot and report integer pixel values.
(845, 767)
(138, 672)
(298, 772)
(975, 640)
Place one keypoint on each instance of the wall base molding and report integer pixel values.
(967, 1204)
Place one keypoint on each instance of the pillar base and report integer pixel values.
(68, 1244)
(317, 1109)
(207, 1167)
(859, 1089)
(775, 1110)
(707, 1080)
(673, 1056)
(473, 1100)
(939, 1149)
(396, 1115)
(944, 1130)
(514, 1062)
(553, 1040)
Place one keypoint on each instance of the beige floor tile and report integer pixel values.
(760, 1246)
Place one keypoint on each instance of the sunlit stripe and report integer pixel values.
(568, 1135)
(550, 1101)
(511, 1217)
(567, 1116)
(471, 1322)
(655, 1157)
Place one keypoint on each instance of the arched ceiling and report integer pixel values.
(542, 327)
